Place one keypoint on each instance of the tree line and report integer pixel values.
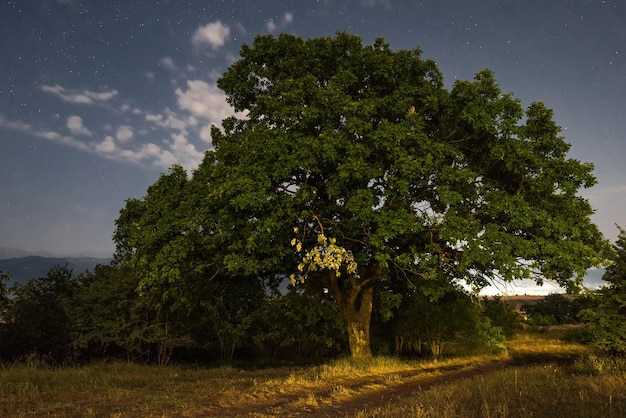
(64, 318)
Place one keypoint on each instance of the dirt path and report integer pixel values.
(347, 396)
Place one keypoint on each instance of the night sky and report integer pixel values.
(97, 98)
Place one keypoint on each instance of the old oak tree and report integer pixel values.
(350, 164)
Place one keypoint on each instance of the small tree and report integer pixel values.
(37, 319)
(432, 320)
(607, 321)
(111, 319)
(501, 314)
(4, 293)
(557, 309)
(300, 326)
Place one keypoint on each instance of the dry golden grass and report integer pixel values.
(569, 381)
(592, 386)
(121, 389)
(546, 390)
(546, 344)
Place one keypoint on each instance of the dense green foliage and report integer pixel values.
(63, 319)
(408, 322)
(607, 321)
(4, 292)
(36, 318)
(352, 164)
(557, 309)
(501, 314)
(298, 325)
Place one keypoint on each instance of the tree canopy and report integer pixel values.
(352, 164)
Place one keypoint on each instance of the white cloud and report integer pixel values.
(79, 96)
(185, 153)
(178, 151)
(76, 127)
(151, 150)
(150, 153)
(154, 118)
(107, 146)
(53, 136)
(167, 159)
(213, 34)
(124, 133)
(204, 101)
(171, 121)
(205, 133)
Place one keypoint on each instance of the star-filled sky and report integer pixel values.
(97, 98)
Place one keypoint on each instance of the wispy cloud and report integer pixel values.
(15, 125)
(79, 96)
(51, 135)
(168, 64)
(155, 139)
(213, 35)
(170, 120)
(76, 127)
(176, 151)
(274, 26)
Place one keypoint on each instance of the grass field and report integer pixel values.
(541, 376)
(547, 378)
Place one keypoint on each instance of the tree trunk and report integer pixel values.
(355, 298)
(356, 310)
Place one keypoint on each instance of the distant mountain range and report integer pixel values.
(17, 253)
(23, 266)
